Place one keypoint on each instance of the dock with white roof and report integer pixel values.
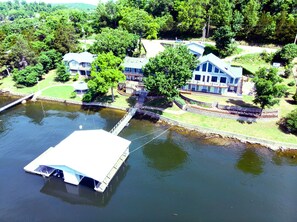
(95, 154)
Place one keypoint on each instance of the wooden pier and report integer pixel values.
(16, 102)
(123, 122)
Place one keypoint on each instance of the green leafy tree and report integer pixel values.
(191, 15)
(139, 22)
(62, 74)
(64, 39)
(268, 87)
(225, 43)
(221, 12)
(28, 76)
(45, 61)
(250, 13)
(295, 97)
(288, 53)
(169, 71)
(106, 73)
(118, 41)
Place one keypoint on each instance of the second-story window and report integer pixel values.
(198, 68)
(214, 78)
(197, 77)
(216, 70)
(209, 69)
(223, 80)
(231, 80)
(204, 67)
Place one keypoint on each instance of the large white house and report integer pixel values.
(133, 68)
(79, 63)
(213, 75)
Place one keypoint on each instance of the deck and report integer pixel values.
(123, 122)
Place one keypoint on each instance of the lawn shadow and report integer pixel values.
(241, 103)
(246, 120)
(291, 102)
(131, 101)
(106, 98)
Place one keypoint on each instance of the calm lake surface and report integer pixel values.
(176, 177)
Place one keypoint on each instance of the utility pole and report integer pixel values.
(207, 35)
(295, 39)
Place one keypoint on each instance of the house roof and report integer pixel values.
(235, 72)
(79, 57)
(195, 48)
(137, 63)
(90, 153)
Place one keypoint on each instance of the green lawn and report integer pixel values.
(48, 80)
(245, 101)
(262, 130)
(251, 62)
(120, 101)
(61, 92)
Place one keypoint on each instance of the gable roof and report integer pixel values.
(195, 48)
(137, 63)
(235, 72)
(79, 57)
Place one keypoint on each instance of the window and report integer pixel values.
(209, 67)
(197, 77)
(207, 79)
(231, 80)
(214, 78)
(204, 67)
(127, 69)
(223, 80)
(203, 78)
(216, 70)
(236, 81)
(198, 68)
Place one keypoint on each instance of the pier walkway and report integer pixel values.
(16, 102)
(123, 122)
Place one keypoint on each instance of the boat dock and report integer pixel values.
(123, 122)
(94, 154)
(16, 102)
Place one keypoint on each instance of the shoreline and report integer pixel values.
(272, 145)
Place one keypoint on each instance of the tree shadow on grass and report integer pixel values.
(106, 98)
(291, 102)
(241, 103)
(131, 101)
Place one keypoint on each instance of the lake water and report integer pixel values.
(177, 177)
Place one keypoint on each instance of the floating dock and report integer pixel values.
(95, 154)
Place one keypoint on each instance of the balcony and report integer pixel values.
(215, 84)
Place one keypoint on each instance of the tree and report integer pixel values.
(191, 15)
(268, 87)
(169, 71)
(221, 12)
(288, 53)
(118, 41)
(62, 74)
(295, 96)
(64, 39)
(225, 43)
(139, 22)
(28, 76)
(106, 73)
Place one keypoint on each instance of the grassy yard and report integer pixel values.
(251, 62)
(262, 130)
(120, 101)
(61, 92)
(245, 101)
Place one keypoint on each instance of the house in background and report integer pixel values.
(79, 63)
(133, 68)
(213, 75)
(196, 49)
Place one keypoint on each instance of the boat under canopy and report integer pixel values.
(95, 154)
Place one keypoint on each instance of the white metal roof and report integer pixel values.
(91, 153)
(79, 57)
(196, 48)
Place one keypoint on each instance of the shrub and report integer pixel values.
(290, 122)
(288, 53)
(295, 97)
(28, 76)
(288, 71)
(76, 77)
(267, 57)
(62, 74)
(73, 95)
(292, 83)
(87, 98)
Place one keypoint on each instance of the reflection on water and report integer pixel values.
(84, 193)
(165, 155)
(250, 162)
